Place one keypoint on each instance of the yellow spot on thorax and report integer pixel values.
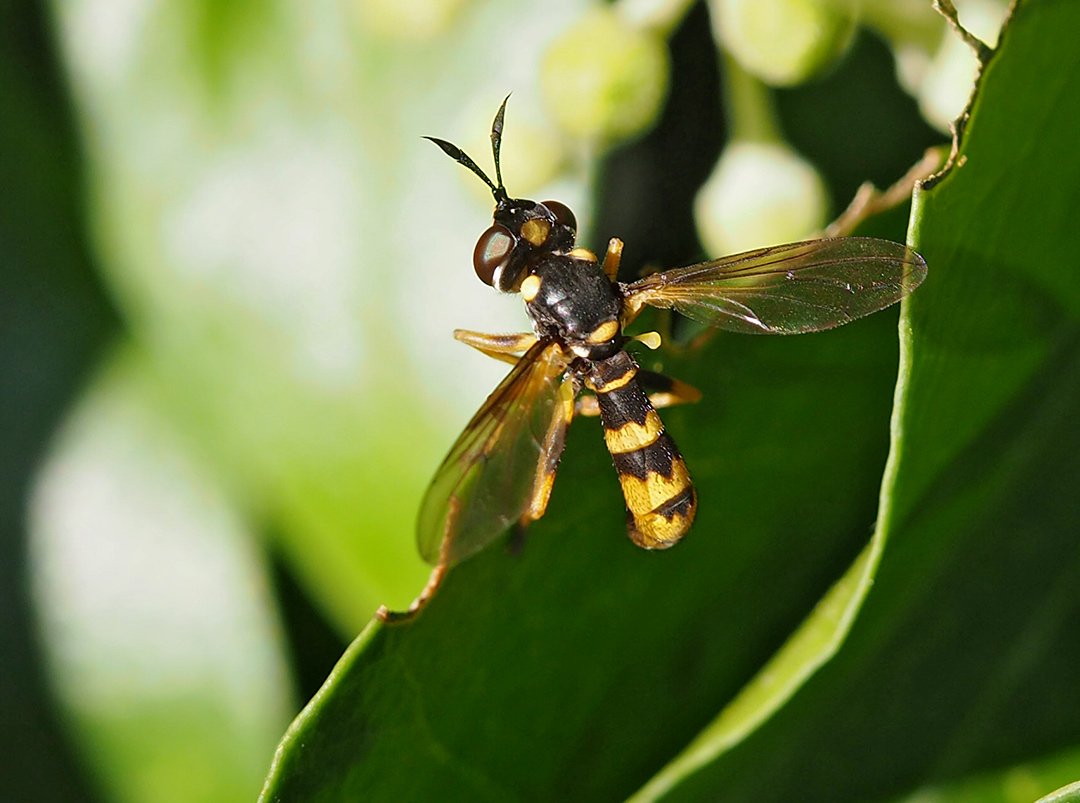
(584, 254)
(604, 332)
(530, 286)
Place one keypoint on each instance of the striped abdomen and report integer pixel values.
(654, 479)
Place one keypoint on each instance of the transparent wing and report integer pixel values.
(486, 481)
(786, 289)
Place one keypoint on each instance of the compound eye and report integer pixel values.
(491, 252)
(563, 215)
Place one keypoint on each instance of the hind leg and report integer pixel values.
(663, 392)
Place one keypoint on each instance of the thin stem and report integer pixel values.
(749, 104)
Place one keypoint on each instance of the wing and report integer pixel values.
(486, 481)
(785, 289)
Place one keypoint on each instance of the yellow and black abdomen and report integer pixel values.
(656, 485)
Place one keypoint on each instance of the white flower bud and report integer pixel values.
(408, 20)
(603, 79)
(758, 194)
(946, 85)
(782, 42)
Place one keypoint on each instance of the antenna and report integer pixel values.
(496, 144)
(462, 158)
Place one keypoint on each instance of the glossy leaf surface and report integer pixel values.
(581, 667)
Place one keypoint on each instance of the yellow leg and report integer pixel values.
(548, 463)
(612, 258)
(587, 406)
(666, 392)
(500, 347)
(546, 466)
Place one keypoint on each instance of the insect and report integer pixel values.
(500, 471)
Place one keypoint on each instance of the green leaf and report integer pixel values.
(1019, 783)
(581, 666)
(584, 662)
(964, 657)
(533, 673)
(1067, 794)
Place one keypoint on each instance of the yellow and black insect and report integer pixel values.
(499, 474)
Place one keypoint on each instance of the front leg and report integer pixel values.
(507, 348)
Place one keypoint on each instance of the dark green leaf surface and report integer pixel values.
(1019, 783)
(579, 668)
(964, 657)
(585, 637)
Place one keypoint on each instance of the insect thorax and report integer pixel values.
(576, 302)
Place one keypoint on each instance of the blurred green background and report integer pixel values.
(230, 270)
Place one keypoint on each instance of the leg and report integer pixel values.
(665, 392)
(612, 258)
(518, 531)
(587, 406)
(550, 452)
(501, 347)
(546, 466)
